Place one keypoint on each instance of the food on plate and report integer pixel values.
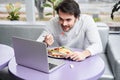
(59, 52)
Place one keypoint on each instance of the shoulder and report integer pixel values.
(86, 19)
(54, 19)
(85, 16)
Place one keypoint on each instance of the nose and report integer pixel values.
(64, 23)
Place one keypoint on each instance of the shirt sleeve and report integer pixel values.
(93, 37)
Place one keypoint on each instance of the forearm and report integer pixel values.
(86, 53)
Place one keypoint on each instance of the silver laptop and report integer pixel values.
(34, 55)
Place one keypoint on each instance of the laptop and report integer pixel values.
(33, 54)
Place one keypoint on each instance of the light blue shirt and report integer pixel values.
(83, 35)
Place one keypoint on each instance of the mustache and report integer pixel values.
(65, 26)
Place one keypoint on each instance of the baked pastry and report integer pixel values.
(59, 52)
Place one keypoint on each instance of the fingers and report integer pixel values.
(76, 56)
(49, 39)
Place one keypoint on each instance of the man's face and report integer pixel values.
(66, 20)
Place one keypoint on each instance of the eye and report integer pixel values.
(68, 20)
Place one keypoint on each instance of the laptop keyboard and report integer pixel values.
(51, 66)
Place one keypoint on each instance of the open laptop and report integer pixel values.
(34, 55)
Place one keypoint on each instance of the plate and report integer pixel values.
(59, 52)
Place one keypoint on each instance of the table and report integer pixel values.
(6, 53)
(90, 69)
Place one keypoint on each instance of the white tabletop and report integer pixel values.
(6, 53)
(89, 69)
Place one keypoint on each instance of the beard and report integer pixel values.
(66, 28)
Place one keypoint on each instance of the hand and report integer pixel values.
(49, 39)
(78, 56)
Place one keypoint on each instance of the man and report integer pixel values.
(75, 30)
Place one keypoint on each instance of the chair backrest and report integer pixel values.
(24, 31)
(104, 34)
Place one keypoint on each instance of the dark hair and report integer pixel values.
(70, 7)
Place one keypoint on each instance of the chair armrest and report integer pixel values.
(113, 53)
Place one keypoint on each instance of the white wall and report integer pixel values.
(12, 1)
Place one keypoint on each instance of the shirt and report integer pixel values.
(84, 34)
